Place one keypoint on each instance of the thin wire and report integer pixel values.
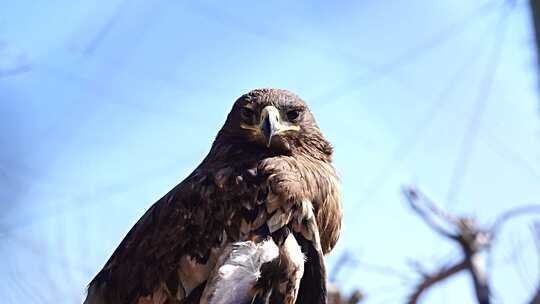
(23, 288)
(406, 146)
(87, 199)
(507, 153)
(105, 30)
(471, 132)
(31, 248)
(412, 53)
(520, 267)
(535, 229)
(270, 35)
(381, 294)
(384, 271)
(11, 281)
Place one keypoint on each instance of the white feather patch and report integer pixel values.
(239, 269)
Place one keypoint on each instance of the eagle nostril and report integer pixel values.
(266, 126)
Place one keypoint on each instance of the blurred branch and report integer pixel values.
(430, 280)
(536, 233)
(384, 270)
(105, 29)
(466, 234)
(499, 223)
(535, 12)
(429, 212)
(476, 267)
(471, 239)
(334, 293)
(344, 259)
(355, 297)
(335, 296)
(512, 213)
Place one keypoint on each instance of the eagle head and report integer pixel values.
(276, 120)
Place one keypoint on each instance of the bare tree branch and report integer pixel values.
(536, 232)
(470, 237)
(414, 198)
(467, 235)
(356, 297)
(384, 270)
(430, 280)
(476, 267)
(335, 296)
(343, 260)
(512, 213)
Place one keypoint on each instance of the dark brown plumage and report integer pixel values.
(268, 167)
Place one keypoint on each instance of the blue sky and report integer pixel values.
(109, 104)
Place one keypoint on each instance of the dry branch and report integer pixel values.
(430, 280)
(536, 231)
(465, 232)
(471, 239)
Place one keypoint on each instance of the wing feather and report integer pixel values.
(174, 246)
(171, 251)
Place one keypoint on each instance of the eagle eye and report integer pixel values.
(247, 114)
(292, 115)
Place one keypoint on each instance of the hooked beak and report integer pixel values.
(271, 124)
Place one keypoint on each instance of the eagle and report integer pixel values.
(262, 208)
